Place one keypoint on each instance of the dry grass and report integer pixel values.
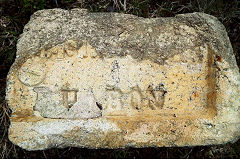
(5, 146)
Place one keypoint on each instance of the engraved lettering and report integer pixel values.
(151, 98)
(65, 92)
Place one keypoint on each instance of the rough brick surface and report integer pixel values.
(110, 80)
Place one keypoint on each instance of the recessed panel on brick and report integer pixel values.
(122, 81)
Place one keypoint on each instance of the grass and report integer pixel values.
(14, 14)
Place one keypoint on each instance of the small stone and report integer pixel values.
(123, 81)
